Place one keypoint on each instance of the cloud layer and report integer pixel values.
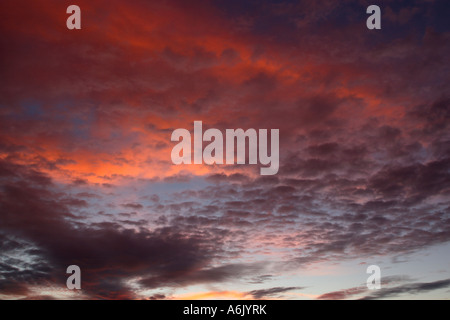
(85, 124)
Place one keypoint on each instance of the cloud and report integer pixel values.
(392, 286)
(224, 273)
(342, 294)
(411, 289)
(271, 292)
(135, 206)
(107, 253)
(86, 118)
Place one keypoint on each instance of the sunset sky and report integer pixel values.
(86, 176)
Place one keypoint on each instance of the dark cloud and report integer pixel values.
(271, 292)
(342, 294)
(411, 289)
(228, 272)
(403, 285)
(413, 183)
(108, 253)
(135, 206)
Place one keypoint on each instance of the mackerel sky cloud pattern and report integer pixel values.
(86, 176)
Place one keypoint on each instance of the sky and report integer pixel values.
(86, 176)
